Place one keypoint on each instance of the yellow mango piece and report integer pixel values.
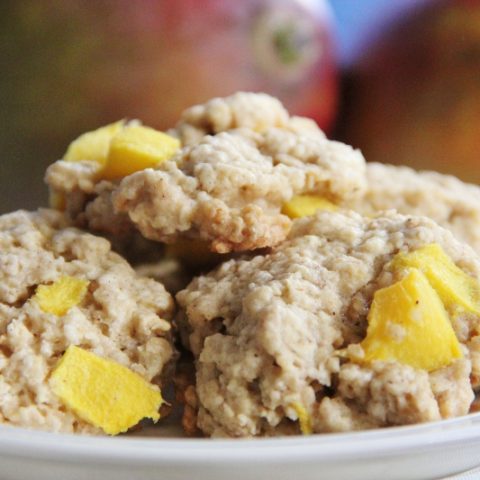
(57, 200)
(137, 147)
(102, 392)
(93, 145)
(59, 297)
(305, 205)
(457, 290)
(408, 323)
(303, 418)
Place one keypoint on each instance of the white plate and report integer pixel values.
(428, 451)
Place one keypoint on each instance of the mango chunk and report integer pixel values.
(408, 323)
(102, 392)
(458, 291)
(59, 297)
(305, 205)
(57, 200)
(137, 147)
(93, 145)
(303, 418)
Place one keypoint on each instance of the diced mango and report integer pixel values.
(102, 392)
(59, 297)
(457, 290)
(303, 418)
(305, 205)
(93, 145)
(137, 147)
(57, 200)
(408, 323)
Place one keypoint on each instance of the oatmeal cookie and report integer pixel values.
(278, 339)
(119, 316)
(450, 202)
(243, 157)
(77, 186)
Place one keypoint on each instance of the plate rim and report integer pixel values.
(332, 447)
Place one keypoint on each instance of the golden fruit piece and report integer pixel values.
(304, 205)
(457, 290)
(57, 200)
(104, 393)
(93, 145)
(59, 297)
(303, 418)
(408, 323)
(135, 148)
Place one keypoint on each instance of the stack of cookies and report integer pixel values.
(282, 284)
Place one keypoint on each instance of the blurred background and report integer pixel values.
(398, 79)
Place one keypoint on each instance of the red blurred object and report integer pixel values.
(414, 96)
(73, 65)
(84, 63)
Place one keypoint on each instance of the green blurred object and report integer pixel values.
(74, 65)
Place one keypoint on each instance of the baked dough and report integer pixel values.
(269, 333)
(446, 199)
(122, 317)
(243, 157)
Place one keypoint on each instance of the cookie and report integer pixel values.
(242, 159)
(61, 287)
(450, 202)
(306, 338)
